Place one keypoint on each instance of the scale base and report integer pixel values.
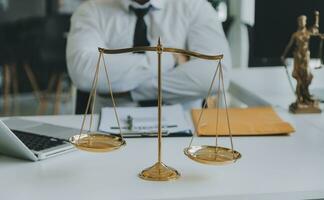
(299, 108)
(159, 172)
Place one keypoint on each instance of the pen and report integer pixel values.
(129, 122)
(143, 127)
(145, 134)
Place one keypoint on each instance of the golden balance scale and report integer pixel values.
(93, 141)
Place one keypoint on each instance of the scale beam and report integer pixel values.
(94, 141)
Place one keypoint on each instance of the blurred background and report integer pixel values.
(33, 73)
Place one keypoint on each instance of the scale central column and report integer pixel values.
(159, 52)
(159, 171)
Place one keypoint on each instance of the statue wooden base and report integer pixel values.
(299, 108)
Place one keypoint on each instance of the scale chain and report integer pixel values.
(205, 105)
(112, 97)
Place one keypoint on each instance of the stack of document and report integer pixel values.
(143, 121)
(243, 121)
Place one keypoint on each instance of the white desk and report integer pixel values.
(271, 85)
(292, 166)
(285, 167)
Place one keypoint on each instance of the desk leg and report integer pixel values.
(58, 94)
(41, 99)
(15, 88)
(6, 88)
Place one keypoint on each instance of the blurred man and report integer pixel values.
(186, 24)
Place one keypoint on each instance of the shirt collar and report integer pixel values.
(156, 4)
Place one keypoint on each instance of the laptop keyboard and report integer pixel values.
(37, 142)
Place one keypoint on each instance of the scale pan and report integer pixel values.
(212, 155)
(97, 142)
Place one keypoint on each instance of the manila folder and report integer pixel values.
(242, 121)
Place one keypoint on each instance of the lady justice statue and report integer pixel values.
(305, 103)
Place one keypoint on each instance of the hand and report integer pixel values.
(180, 58)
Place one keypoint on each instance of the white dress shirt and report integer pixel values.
(185, 24)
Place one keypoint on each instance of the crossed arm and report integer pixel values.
(135, 72)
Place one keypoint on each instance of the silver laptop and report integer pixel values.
(33, 140)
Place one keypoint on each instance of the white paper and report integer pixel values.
(144, 119)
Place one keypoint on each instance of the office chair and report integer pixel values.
(50, 53)
(8, 64)
(17, 42)
(28, 34)
(239, 33)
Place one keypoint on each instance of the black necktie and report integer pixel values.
(140, 39)
(140, 34)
